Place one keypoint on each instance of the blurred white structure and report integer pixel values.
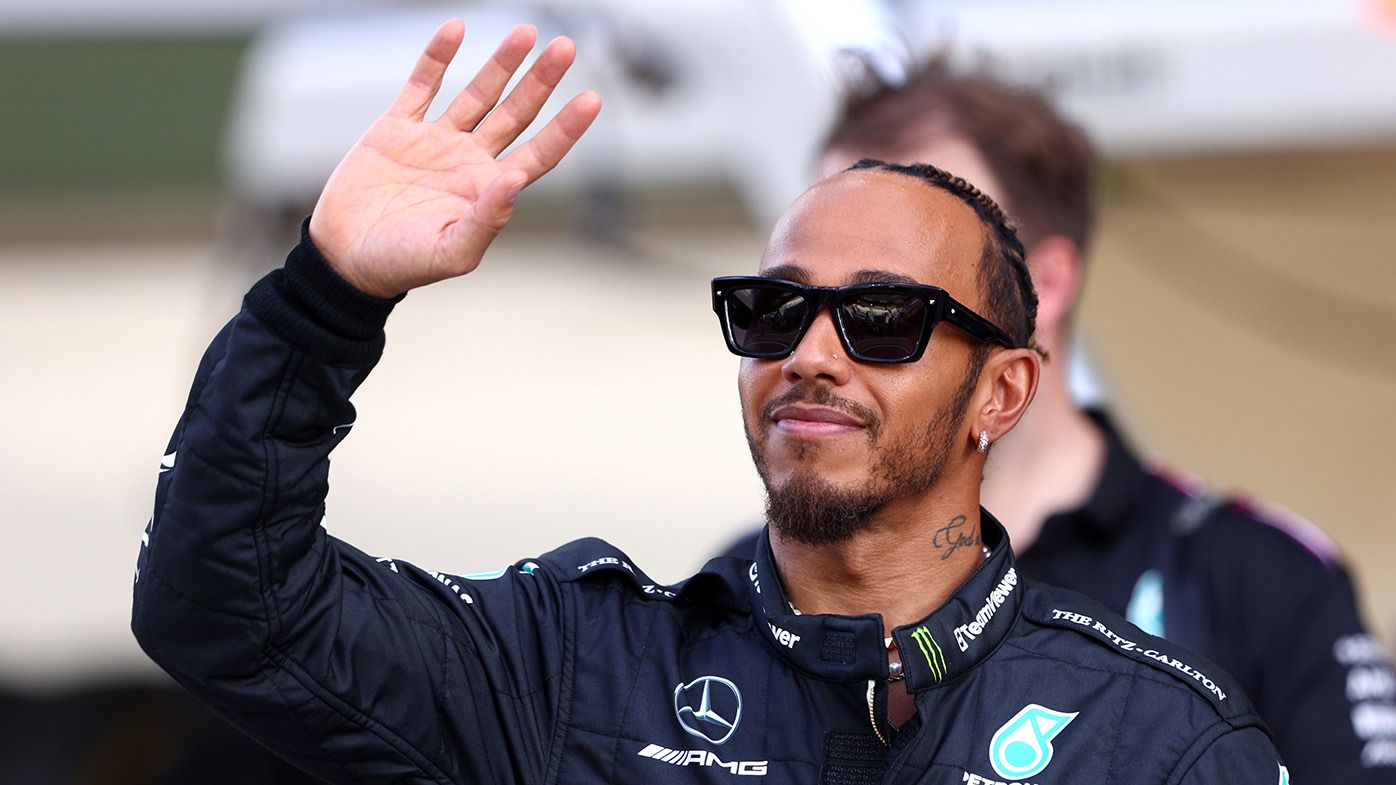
(740, 92)
(1187, 76)
(715, 92)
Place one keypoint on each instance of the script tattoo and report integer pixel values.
(952, 536)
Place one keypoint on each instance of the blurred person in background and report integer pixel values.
(574, 667)
(1255, 588)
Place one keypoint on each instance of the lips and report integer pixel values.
(815, 414)
(804, 421)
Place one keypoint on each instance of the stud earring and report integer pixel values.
(983, 441)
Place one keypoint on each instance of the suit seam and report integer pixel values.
(301, 722)
(271, 492)
(1119, 728)
(1187, 761)
(630, 696)
(327, 699)
(566, 676)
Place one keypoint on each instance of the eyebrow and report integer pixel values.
(798, 274)
(881, 276)
(787, 272)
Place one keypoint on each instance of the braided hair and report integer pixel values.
(1009, 297)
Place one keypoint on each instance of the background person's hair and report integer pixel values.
(1044, 163)
(1010, 301)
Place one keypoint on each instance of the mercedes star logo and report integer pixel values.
(708, 707)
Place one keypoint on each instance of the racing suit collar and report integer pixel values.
(964, 631)
(946, 643)
(824, 645)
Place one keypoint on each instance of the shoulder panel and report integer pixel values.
(591, 558)
(1049, 606)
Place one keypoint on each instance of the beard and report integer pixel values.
(810, 510)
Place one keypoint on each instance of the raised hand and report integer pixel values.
(415, 202)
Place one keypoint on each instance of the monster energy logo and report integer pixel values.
(935, 658)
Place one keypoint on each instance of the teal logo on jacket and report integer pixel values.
(1022, 748)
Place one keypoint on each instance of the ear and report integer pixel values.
(1007, 385)
(1055, 265)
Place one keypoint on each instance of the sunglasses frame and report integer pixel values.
(940, 307)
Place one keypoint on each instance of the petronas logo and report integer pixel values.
(1022, 748)
(935, 658)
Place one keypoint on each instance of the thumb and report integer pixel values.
(468, 238)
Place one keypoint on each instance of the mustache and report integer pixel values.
(822, 395)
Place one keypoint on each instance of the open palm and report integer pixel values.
(415, 202)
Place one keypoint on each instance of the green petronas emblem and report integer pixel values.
(935, 658)
(1022, 748)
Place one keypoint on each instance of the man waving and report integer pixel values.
(881, 633)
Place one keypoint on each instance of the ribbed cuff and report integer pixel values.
(310, 304)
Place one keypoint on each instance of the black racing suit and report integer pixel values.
(573, 667)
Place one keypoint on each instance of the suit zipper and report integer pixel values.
(872, 711)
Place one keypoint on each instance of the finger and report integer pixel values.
(544, 150)
(468, 238)
(426, 76)
(481, 95)
(509, 119)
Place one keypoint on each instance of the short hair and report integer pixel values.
(1044, 163)
(1010, 301)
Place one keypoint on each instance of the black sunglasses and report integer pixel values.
(876, 322)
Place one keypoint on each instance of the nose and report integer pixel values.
(819, 355)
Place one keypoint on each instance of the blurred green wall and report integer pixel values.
(113, 138)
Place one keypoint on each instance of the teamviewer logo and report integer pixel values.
(708, 707)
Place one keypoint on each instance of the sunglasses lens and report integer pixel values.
(765, 322)
(884, 327)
